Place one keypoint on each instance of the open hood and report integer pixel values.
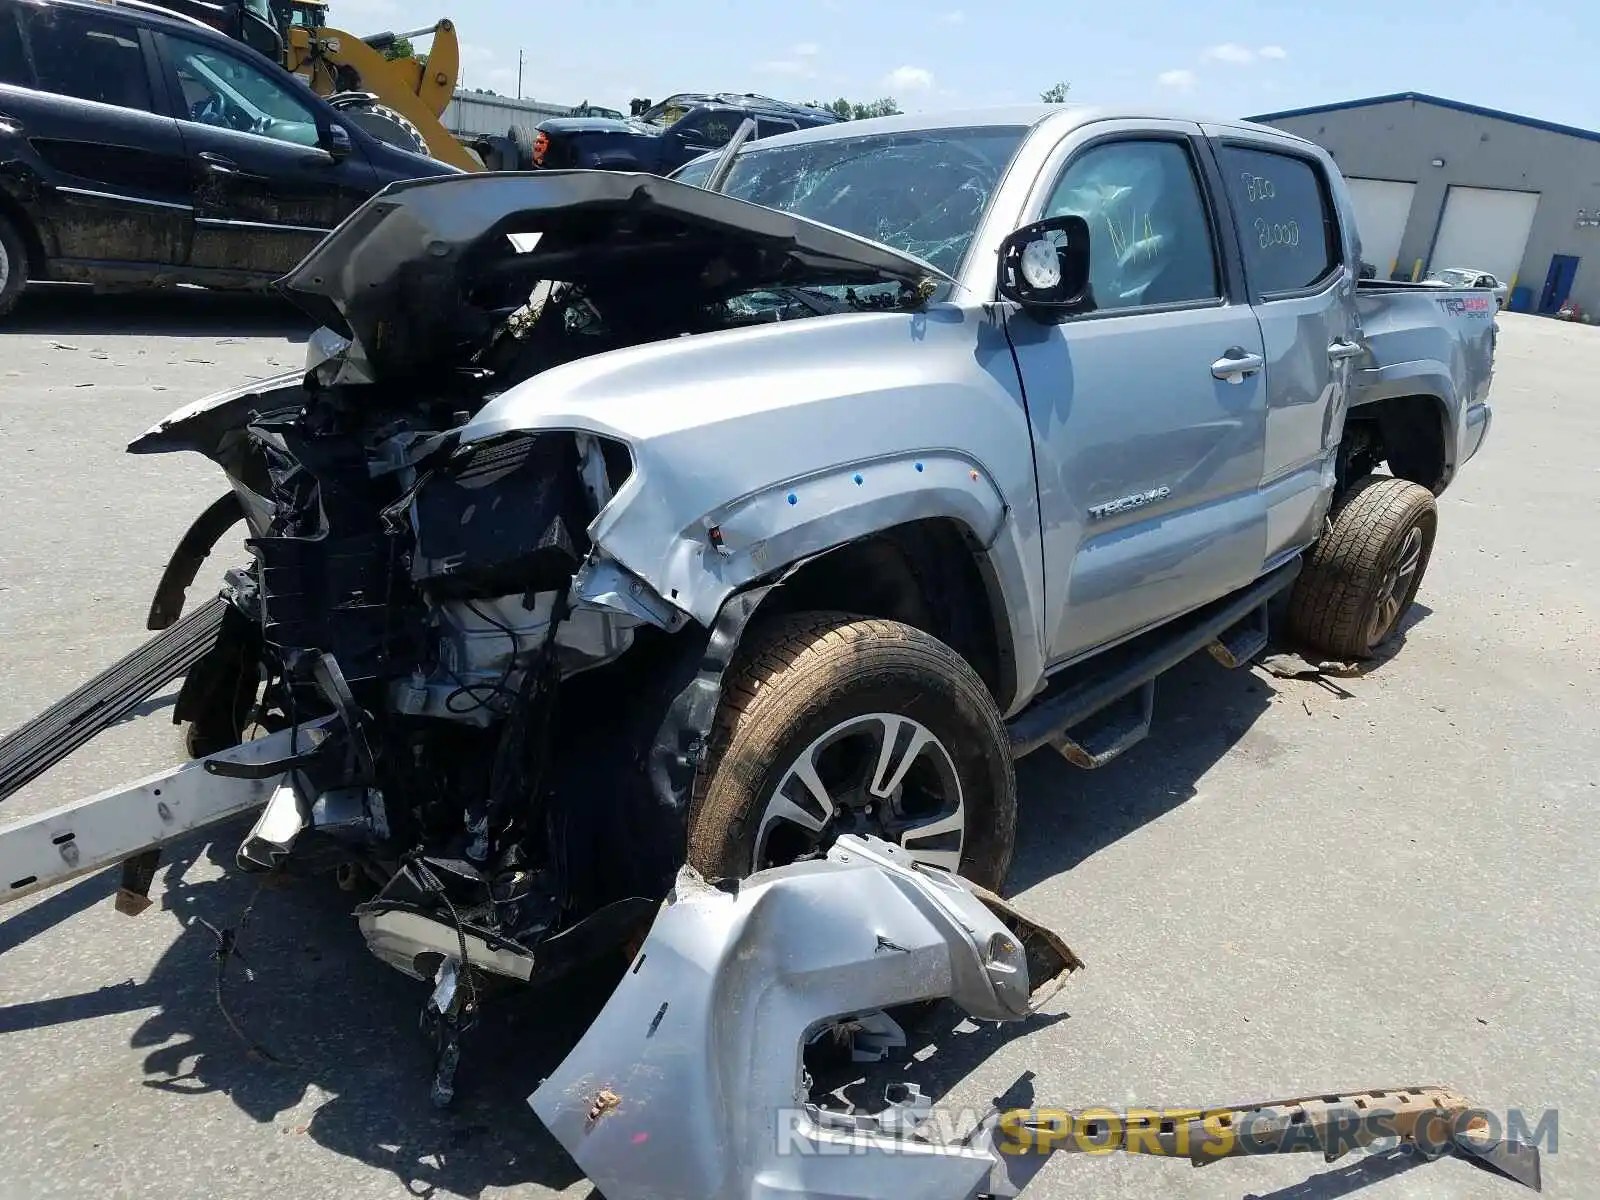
(422, 272)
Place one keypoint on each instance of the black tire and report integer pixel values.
(522, 140)
(1351, 595)
(13, 267)
(390, 127)
(804, 675)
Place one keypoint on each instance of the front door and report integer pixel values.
(1294, 253)
(1148, 411)
(265, 190)
(1558, 283)
(84, 97)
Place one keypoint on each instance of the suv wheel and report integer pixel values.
(1363, 574)
(833, 724)
(13, 266)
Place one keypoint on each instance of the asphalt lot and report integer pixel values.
(1289, 888)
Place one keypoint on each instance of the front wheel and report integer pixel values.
(1363, 574)
(833, 724)
(13, 266)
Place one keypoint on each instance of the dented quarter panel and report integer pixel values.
(1431, 342)
(798, 436)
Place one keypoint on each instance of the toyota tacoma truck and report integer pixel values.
(619, 522)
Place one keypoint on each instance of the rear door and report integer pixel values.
(1295, 254)
(1147, 411)
(265, 191)
(103, 164)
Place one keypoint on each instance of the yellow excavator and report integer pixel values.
(399, 100)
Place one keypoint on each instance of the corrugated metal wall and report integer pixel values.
(473, 112)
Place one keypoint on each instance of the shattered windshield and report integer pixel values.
(921, 192)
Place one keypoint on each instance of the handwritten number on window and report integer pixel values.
(1270, 234)
(1258, 187)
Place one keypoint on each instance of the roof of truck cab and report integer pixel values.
(1066, 116)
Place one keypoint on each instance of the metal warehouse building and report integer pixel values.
(1437, 183)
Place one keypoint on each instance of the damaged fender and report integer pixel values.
(689, 1085)
(754, 448)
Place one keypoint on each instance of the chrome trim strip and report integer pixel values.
(221, 223)
(94, 195)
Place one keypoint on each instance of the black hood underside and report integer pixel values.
(421, 273)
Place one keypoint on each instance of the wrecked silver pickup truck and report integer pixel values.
(620, 523)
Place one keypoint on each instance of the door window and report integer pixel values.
(1286, 219)
(14, 67)
(710, 128)
(221, 90)
(90, 57)
(1150, 238)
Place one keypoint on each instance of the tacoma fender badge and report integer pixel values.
(1111, 508)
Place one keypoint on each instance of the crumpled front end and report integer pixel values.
(513, 715)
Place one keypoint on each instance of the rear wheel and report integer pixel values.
(834, 724)
(523, 141)
(1364, 573)
(389, 127)
(13, 266)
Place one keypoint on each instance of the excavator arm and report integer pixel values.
(415, 90)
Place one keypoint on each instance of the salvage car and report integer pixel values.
(933, 441)
(139, 147)
(667, 135)
(1465, 277)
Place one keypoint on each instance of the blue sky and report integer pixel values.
(1228, 57)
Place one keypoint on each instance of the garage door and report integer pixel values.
(1382, 208)
(1484, 229)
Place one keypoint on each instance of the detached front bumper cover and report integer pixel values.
(690, 1084)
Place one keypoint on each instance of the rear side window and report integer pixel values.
(766, 127)
(88, 56)
(1286, 219)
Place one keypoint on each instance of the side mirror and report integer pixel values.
(335, 140)
(1045, 267)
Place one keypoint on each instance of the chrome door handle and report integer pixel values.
(1342, 350)
(217, 164)
(1233, 366)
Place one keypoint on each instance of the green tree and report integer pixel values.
(884, 106)
(399, 48)
(850, 110)
(1056, 94)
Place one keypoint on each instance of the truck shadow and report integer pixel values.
(166, 312)
(1202, 712)
(1066, 815)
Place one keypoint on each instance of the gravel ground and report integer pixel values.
(1290, 887)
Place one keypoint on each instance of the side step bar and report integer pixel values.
(1233, 628)
(31, 750)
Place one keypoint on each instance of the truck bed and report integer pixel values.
(1424, 340)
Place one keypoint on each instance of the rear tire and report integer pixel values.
(1363, 575)
(828, 691)
(522, 140)
(13, 266)
(389, 127)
